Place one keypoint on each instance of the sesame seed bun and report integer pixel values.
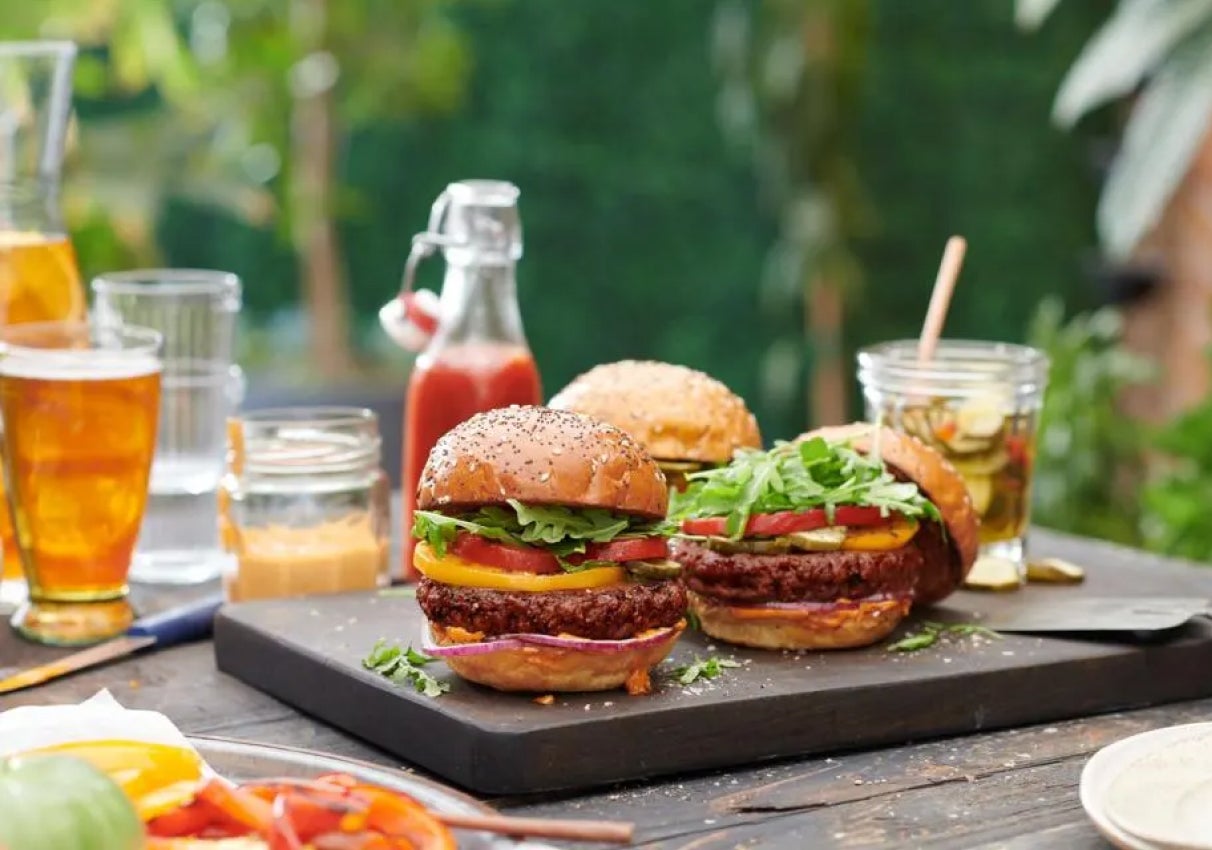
(677, 413)
(941, 484)
(541, 456)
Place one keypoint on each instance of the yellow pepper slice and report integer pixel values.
(451, 569)
(881, 537)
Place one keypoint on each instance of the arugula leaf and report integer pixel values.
(560, 530)
(796, 477)
(703, 668)
(932, 632)
(403, 666)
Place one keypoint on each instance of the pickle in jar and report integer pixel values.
(989, 446)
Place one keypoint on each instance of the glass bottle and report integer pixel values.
(477, 358)
(39, 279)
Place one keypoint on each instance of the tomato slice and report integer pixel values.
(628, 549)
(503, 556)
(788, 522)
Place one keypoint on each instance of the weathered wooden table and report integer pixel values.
(1010, 789)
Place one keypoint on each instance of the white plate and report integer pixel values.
(1107, 764)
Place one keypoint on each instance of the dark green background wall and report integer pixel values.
(644, 235)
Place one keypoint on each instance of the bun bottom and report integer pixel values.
(861, 623)
(551, 669)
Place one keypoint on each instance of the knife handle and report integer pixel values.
(179, 625)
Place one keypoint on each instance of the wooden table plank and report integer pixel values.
(1022, 792)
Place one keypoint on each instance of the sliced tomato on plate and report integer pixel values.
(491, 553)
(789, 522)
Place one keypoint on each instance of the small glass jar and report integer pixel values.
(304, 506)
(978, 404)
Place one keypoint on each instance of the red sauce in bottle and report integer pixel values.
(450, 387)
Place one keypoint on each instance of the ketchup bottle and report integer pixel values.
(475, 356)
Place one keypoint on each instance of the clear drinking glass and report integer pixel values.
(78, 404)
(196, 312)
(39, 281)
(978, 404)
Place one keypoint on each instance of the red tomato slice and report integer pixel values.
(787, 522)
(628, 549)
(490, 553)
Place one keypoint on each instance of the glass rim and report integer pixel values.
(58, 48)
(144, 341)
(166, 282)
(318, 416)
(954, 360)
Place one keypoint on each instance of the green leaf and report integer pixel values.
(1138, 36)
(912, 643)
(404, 667)
(703, 668)
(795, 477)
(1167, 127)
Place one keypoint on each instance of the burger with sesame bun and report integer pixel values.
(823, 542)
(543, 553)
(687, 420)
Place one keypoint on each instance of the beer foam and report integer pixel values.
(49, 365)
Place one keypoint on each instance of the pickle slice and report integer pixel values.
(980, 488)
(773, 546)
(828, 539)
(683, 466)
(654, 569)
(993, 573)
(1055, 571)
(987, 463)
(979, 420)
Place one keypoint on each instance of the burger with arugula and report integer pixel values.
(543, 553)
(687, 420)
(823, 542)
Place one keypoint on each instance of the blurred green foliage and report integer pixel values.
(1177, 502)
(1089, 464)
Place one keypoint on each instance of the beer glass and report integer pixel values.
(78, 405)
(39, 280)
(195, 310)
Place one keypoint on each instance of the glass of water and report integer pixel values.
(196, 312)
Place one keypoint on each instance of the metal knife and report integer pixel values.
(178, 625)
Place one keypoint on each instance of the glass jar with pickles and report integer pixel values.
(978, 404)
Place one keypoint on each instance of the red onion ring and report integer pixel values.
(430, 647)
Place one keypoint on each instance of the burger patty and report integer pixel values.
(809, 576)
(609, 613)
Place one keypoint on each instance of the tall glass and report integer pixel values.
(39, 280)
(78, 404)
(978, 404)
(195, 310)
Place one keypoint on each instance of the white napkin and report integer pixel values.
(99, 718)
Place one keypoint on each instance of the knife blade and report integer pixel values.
(178, 625)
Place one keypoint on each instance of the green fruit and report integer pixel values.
(51, 802)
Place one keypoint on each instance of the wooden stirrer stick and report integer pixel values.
(940, 298)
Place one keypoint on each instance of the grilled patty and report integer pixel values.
(610, 613)
(809, 576)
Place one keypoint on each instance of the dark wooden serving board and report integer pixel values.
(307, 652)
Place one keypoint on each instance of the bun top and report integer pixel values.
(941, 484)
(541, 457)
(676, 412)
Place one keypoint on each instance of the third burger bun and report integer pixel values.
(941, 483)
(678, 414)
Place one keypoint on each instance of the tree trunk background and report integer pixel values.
(317, 243)
(1172, 325)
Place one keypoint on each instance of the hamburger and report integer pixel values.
(823, 542)
(687, 420)
(543, 555)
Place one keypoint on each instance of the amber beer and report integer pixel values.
(79, 408)
(39, 282)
